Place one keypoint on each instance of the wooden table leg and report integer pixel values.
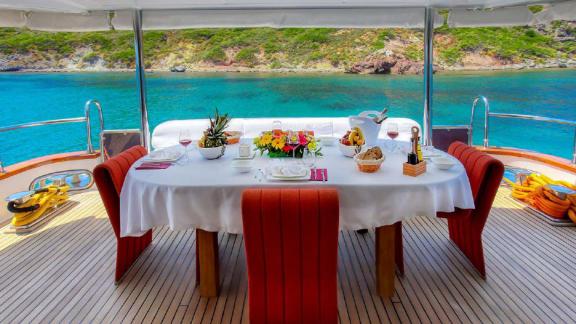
(399, 247)
(207, 267)
(385, 260)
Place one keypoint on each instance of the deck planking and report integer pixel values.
(63, 272)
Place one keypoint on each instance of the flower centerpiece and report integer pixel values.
(279, 143)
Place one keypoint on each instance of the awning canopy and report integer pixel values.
(83, 6)
(93, 15)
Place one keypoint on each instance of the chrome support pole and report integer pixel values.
(141, 78)
(428, 74)
(87, 106)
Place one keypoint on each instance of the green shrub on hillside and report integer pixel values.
(506, 43)
(451, 55)
(125, 56)
(214, 54)
(247, 55)
(414, 52)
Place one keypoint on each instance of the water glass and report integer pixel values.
(309, 159)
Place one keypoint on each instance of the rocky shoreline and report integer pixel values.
(368, 67)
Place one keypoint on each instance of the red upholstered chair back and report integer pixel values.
(109, 177)
(291, 241)
(485, 174)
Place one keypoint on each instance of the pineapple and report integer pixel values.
(214, 136)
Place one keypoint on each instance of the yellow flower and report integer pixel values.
(312, 146)
(278, 143)
(265, 139)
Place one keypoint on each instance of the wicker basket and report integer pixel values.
(368, 166)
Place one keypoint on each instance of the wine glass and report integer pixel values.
(184, 138)
(276, 125)
(292, 142)
(392, 132)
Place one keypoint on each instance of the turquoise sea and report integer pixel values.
(26, 97)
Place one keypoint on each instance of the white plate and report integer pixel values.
(288, 172)
(242, 166)
(305, 177)
(163, 156)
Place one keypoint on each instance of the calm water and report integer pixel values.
(39, 96)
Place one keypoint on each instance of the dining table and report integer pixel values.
(195, 193)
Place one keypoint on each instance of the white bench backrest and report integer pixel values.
(166, 134)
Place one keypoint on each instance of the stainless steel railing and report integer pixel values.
(87, 106)
(86, 119)
(488, 114)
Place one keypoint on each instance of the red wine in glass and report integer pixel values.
(185, 142)
(392, 131)
(185, 139)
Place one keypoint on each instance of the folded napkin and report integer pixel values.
(154, 166)
(319, 175)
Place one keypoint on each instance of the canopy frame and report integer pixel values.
(141, 78)
(428, 73)
(428, 76)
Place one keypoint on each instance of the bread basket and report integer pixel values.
(368, 166)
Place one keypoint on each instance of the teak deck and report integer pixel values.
(64, 272)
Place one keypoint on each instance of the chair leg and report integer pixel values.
(128, 249)
(207, 263)
(385, 259)
(468, 238)
(399, 247)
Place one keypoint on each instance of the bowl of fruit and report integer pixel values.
(352, 142)
(212, 145)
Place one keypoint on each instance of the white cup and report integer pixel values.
(244, 150)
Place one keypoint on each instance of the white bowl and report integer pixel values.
(212, 153)
(327, 140)
(443, 163)
(242, 166)
(349, 150)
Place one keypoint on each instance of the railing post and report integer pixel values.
(140, 77)
(89, 146)
(486, 116)
(574, 149)
(428, 75)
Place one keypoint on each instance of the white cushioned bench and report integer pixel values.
(166, 134)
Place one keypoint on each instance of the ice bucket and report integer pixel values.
(365, 121)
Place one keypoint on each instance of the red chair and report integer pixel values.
(109, 177)
(466, 225)
(291, 241)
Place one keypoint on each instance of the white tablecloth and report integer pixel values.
(206, 194)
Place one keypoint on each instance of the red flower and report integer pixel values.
(302, 139)
(287, 148)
